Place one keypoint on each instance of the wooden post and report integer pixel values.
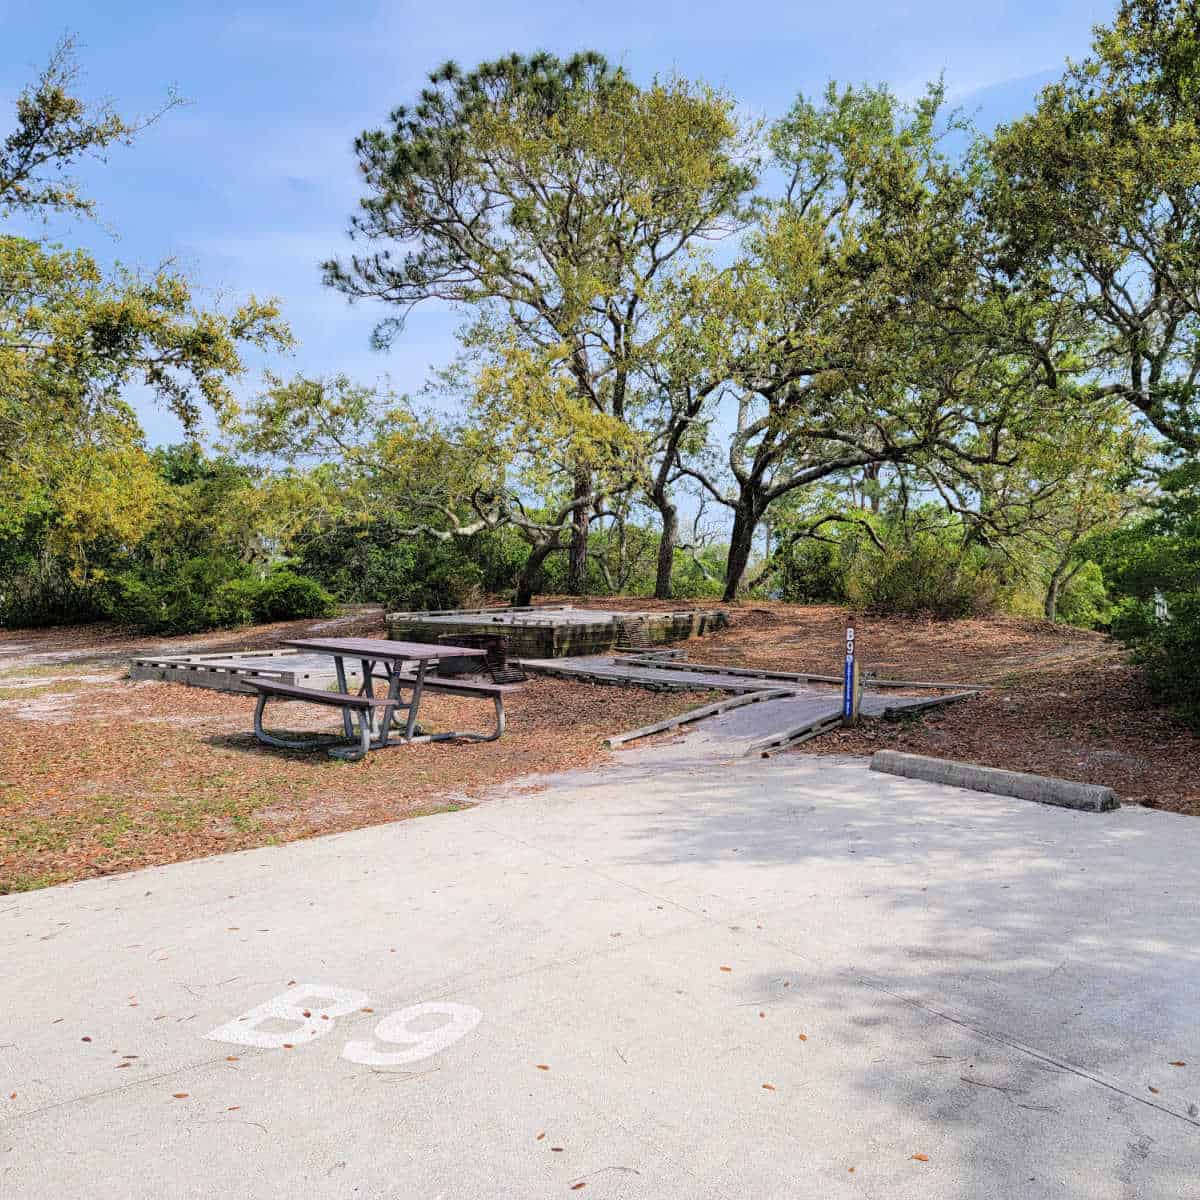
(851, 680)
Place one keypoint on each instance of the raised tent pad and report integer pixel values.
(558, 630)
(544, 631)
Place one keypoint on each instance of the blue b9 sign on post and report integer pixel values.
(848, 688)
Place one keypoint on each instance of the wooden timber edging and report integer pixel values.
(582, 675)
(794, 677)
(785, 739)
(898, 710)
(693, 715)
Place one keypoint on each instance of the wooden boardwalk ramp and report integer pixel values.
(763, 711)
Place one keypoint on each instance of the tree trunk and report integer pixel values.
(577, 564)
(741, 546)
(527, 580)
(666, 549)
(1052, 590)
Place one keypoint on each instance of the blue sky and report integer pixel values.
(250, 186)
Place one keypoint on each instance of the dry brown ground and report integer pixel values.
(100, 774)
(1062, 701)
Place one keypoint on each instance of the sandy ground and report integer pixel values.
(99, 774)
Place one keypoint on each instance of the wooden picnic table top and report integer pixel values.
(383, 648)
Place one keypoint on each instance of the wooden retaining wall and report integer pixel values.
(534, 635)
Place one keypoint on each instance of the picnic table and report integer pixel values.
(382, 660)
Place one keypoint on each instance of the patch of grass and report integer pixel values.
(28, 693)
(191, 814)
(29, 672)
(29, 881)
(39, 835)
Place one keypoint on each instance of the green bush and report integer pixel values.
(283, 596)
(209, 593)
(811, 572)
(180, 597)
(930, 572)
(1167, 650)
(374, 564)
(1084, 601)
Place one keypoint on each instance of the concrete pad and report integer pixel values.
(742, 979)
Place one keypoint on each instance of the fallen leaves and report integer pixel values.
(85, 1039)
(768, 1087)
(172, 772)
(543, 1067)
(179, 1095)
(802, 1036)
(540, 1137)
(576, 1186)
(231, 1058)
(1153, 1091)
(725, 969)
(920, 1158)
(1070, 707)
(1177, 1064)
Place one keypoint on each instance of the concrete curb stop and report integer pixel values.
(1087, 797)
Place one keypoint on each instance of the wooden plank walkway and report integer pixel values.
(798, 708)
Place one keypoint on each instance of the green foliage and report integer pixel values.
(1161, 556)
(1095, 199)
(1168, 651)
(1084, 601)
(187, 596)
(54, 129)
(283, 595)
(80, 497)
(811, 572)
(210, 593)
(889, 564)
(377, 563)
(930, 572)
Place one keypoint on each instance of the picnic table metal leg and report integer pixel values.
(414, 704)
(368, 687)
(340, 668)
(300, 743)
(354, 753)
(393, 695)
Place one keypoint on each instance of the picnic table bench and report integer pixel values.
(366, 718)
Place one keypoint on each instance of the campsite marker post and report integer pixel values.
(851, 690)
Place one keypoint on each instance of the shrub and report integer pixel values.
(1167, 650)
(207, 593)
(811, 572)
(181, 597)
(930, 572)
(1084, 601)
(375, 564)
(283, 595)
